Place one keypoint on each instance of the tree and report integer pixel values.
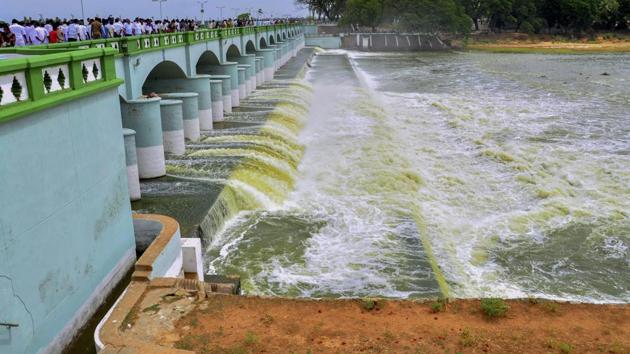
(364, 13)
(431, 16)
(474, 10)
(331, 9)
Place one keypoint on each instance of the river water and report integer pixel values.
(464, 174)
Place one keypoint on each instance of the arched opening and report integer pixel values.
(263, 43)
(233, 52)
(207, 60)
(284, 35)
(278, 36)
(250, 48)
(165, 70)
(272, 41)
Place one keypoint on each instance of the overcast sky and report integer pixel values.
(142, 8)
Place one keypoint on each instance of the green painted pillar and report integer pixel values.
(242, 81)
(198, 83)
(249, 62)
(143, 116)
(133, 178)
(172, 115)
(190, 112)
(216, 88)
(268, 55)
(226, 89)
(260, 73)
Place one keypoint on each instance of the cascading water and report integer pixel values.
(255, 161)
(472, 174)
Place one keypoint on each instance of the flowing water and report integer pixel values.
(418, 174)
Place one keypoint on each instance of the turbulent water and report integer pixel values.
(420, 174)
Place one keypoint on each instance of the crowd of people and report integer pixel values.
(30, 32)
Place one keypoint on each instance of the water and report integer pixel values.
(459, 173)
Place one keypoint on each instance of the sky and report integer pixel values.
(144, 8)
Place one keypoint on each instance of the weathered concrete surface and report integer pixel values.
(66, 234)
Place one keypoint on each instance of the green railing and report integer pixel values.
(34, 82)
(138, 44)
(37, 77)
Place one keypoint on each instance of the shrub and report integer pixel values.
(368, 304)
(494, 307)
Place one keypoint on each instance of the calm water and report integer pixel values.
(473, 174)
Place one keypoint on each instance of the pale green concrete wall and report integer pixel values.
(324, 42)
(66, 218)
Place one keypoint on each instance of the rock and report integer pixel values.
(605, 74)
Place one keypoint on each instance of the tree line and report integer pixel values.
(462, 16)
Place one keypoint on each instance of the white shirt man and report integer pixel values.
(30, 29)
(137, 28)
(118, 29)
(39, 35)
(83, 32)
(19, 33)
(72, 32)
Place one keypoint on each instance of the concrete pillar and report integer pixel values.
(242, 81)
(250, 75)
(143, 116)
(227, 69)
(278, 58)
(199, 84)
(133, 178)
(269, 55)
(173, 126)
(226, 89)
(260, 73)
(216, 88)
(190, 112)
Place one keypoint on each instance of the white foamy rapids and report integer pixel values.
(501, 168)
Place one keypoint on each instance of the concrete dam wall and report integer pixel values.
(383, 42)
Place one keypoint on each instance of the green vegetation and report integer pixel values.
(439, 305)
(494, 307)
(368, 304)
(460, 16)
(250, 338)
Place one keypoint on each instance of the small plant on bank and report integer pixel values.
(494, 307)
(250, 338)
(368, 304)
(467, 338)
(439, 305)
(551, 307)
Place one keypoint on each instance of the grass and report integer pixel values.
(250, 338)
(439, 305)
(369, 304)
(494, 307)
(467, 338)
(565, 47)
(550, 307)
(562, 347)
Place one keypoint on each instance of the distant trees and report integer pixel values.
(560, 15)
(408, 15)
(531, 16)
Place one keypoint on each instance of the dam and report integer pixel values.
(305, 173)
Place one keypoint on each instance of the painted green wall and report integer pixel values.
(66, 217)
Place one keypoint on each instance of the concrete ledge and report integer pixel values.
(164, 256)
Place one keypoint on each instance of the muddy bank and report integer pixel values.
(523, 43)
(226, 324)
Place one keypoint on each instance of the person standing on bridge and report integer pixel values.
(19, 32)
(72, 33)
(96, 29)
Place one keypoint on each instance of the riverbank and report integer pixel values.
(173, 318)
(522, 43)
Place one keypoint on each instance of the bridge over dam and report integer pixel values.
(80, 124)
